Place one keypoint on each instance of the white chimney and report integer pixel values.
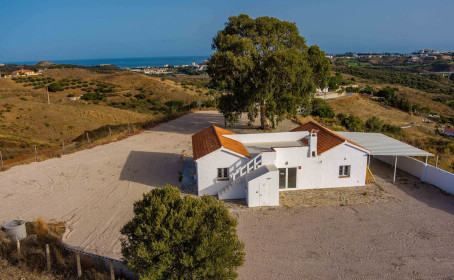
(313, 143)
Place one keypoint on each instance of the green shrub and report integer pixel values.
(353, 123)
(181, 237)
(54, 87)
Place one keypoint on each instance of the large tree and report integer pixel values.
(266, 67)
(181, 237)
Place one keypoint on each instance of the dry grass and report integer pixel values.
(366, 108)
(32, 261)
(27, 120)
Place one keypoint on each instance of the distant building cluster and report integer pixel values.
(169, 69)
(427, 55)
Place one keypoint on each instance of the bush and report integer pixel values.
(54, 87)
(321, 108)
(175, 237)
(374, 124)
(353, 123)
(140, 96)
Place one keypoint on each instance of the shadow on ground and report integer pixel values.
(412, 186)
(152, 169)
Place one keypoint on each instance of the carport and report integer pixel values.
(381, 145)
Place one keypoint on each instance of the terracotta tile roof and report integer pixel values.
(211, 139)
(23, 71)
(326, 138)
(448, 129)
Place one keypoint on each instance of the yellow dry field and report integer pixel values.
(38, 121)
(126, 81)
(366, 108)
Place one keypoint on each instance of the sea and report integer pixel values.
(127, 62)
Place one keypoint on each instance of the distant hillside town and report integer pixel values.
(192, 69)
(425, 55)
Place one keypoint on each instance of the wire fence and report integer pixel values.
(27, 152)
(61, 259)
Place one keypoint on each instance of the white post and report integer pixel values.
(395, 168)
(18, 249)
(36, 153)
(79, 268)
(436, 162)
(1, 161)
(88, 140)
(48, 256)
(48, 98)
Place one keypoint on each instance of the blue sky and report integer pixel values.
(61, 29)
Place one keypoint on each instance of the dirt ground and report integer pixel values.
(94, 190)
(409, 236)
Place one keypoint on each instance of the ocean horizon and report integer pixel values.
(125, 62)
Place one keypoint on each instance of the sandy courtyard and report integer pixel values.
(410, 236)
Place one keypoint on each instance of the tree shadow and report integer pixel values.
(152, 169)
(412, 186)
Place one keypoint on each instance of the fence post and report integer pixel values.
(48, 256)
(88, 140)
(129, 128)
(112, 271)
(36, 153)
(1, 161)
(79, 269)
(63, 146)
(18, 248)
(110, 132)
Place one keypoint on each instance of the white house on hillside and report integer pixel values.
(258, 166)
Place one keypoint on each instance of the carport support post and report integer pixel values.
(395, 168)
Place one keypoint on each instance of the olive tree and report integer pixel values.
(181, 237)
(266, 68)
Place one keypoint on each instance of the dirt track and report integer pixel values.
(93, 190)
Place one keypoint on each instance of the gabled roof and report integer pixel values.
(211, 139)
(326, 138)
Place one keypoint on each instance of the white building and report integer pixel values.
(258, 166)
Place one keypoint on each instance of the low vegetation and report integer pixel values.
(32, 259)
(181, 237)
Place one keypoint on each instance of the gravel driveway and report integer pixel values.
(93, 190)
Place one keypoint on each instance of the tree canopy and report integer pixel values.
(266, 67)
(175, 237)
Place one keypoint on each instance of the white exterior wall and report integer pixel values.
(207, 170)
(253, 189)
(427, 173)
(322, 171)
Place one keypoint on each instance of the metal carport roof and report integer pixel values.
(382, 145)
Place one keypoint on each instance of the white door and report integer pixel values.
(264, 194)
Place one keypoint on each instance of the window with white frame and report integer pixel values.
(344, 171)
(223, 173)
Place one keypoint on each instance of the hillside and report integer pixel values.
(366, 108)
(114, 99)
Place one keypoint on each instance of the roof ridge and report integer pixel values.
(329, 131)
(217, 135)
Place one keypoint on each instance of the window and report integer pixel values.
(344, 171)
(223, 173)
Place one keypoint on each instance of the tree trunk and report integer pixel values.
(264, 122)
